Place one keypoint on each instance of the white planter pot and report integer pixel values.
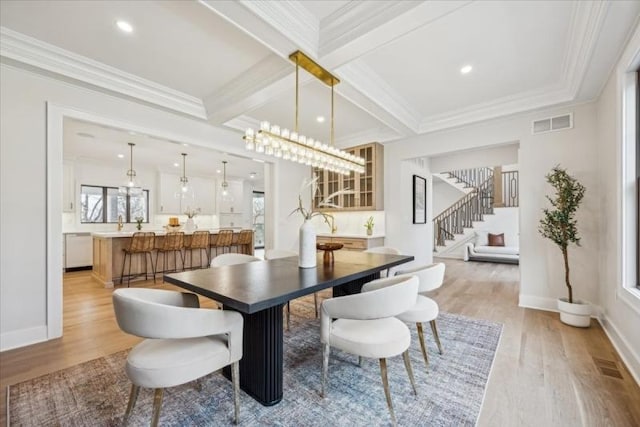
(577, 313)
(307, 253)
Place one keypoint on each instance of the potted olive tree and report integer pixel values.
(560, 226)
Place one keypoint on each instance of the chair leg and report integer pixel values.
(387, 392)
(124, 262)
(325, 368)
(315, 302)
(423, 345)
(235, 379)
(157, 406)
(133, 397)
(129, 275)
(153, 270)
(407, 365)
(288, 314)
(360, 361)
(434, 328)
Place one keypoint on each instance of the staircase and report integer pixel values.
(480, 201)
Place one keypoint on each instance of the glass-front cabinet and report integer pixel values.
(367, 187)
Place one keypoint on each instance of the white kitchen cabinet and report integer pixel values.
(168, 203)
(205, 195)
(78, 250)
(233, 202)
(68, 188)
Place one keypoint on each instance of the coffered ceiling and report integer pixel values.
(399, 61)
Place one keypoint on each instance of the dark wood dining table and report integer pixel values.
(260, 289)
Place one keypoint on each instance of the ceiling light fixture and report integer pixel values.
(121, 156)
(225, 184)
(124, 26)
(320, 119)
(466, 69)
(175, 165)
(131, 187)
(185, 190)
(252, 175)
(291, 145)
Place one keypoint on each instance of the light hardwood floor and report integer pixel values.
(545, 373)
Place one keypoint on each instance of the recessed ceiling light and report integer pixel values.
(466, 69)
(176, 164)
(132, 133)
(320, 119)
(218, 171)
(124, 26)
(185, 144)
(121, 156)
(252, 175)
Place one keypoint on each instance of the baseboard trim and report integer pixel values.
(22, 337)
(550, 304)
(630, 358)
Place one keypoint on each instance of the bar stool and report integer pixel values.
(243, 245)
(223, 240)
(199, 241)
(142, 242)
(173, 242)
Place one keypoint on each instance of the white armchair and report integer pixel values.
(366, 326)
(184, 342)
(425, 309)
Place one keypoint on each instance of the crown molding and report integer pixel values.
(36, 53)
(281, 26)
(499, 108)
(362, 78)
(381, 134)
(586, 25)
(243, 122)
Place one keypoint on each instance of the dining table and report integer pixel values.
(260, 289)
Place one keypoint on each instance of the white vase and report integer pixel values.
(190, 225)
(577, 313)
(307, 252)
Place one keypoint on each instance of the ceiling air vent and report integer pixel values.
(552, 124)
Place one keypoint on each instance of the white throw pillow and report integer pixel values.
(482, 238)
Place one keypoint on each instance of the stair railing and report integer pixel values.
(461, 214)
(472, 177)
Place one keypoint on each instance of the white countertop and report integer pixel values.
(116, 234)
(351, 236)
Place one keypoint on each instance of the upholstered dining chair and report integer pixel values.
(425, 309)
(183, 342)
(281, 253)
(232, 258)
(365, 325)
(384, 250)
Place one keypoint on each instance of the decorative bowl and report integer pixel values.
(331, 246)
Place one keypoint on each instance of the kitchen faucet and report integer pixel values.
(120, 223)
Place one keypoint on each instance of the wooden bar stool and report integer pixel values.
(199, 241)
(173, 242)
(245, 239)
(142, 242)
(223, 240)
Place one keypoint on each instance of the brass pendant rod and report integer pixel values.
(297, 93)
(332, 117)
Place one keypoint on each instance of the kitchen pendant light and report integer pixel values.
(131, 186)
(226, 196)
(185, 191)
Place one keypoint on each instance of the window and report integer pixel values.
(105, 204)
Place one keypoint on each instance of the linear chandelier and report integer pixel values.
(283, 143)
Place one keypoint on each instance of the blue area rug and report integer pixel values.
(95, 393)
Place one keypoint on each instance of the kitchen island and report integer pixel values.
(108, 254)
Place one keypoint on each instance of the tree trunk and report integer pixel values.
(565, 255)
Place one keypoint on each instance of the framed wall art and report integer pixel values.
(419, 200)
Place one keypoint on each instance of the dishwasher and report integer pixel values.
(78, 251)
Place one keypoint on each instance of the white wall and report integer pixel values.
(475, 158)
(444, 195)
(26, 232)
(620, 307)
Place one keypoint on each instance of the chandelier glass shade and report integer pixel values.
(226, 196)
(185, 191)
(291, 145)
(131, 186)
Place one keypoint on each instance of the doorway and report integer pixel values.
(258, 219)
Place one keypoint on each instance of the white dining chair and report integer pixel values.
(425, 309)
(232, 259)
(364, 324)
(387, 250)
(183, 342)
